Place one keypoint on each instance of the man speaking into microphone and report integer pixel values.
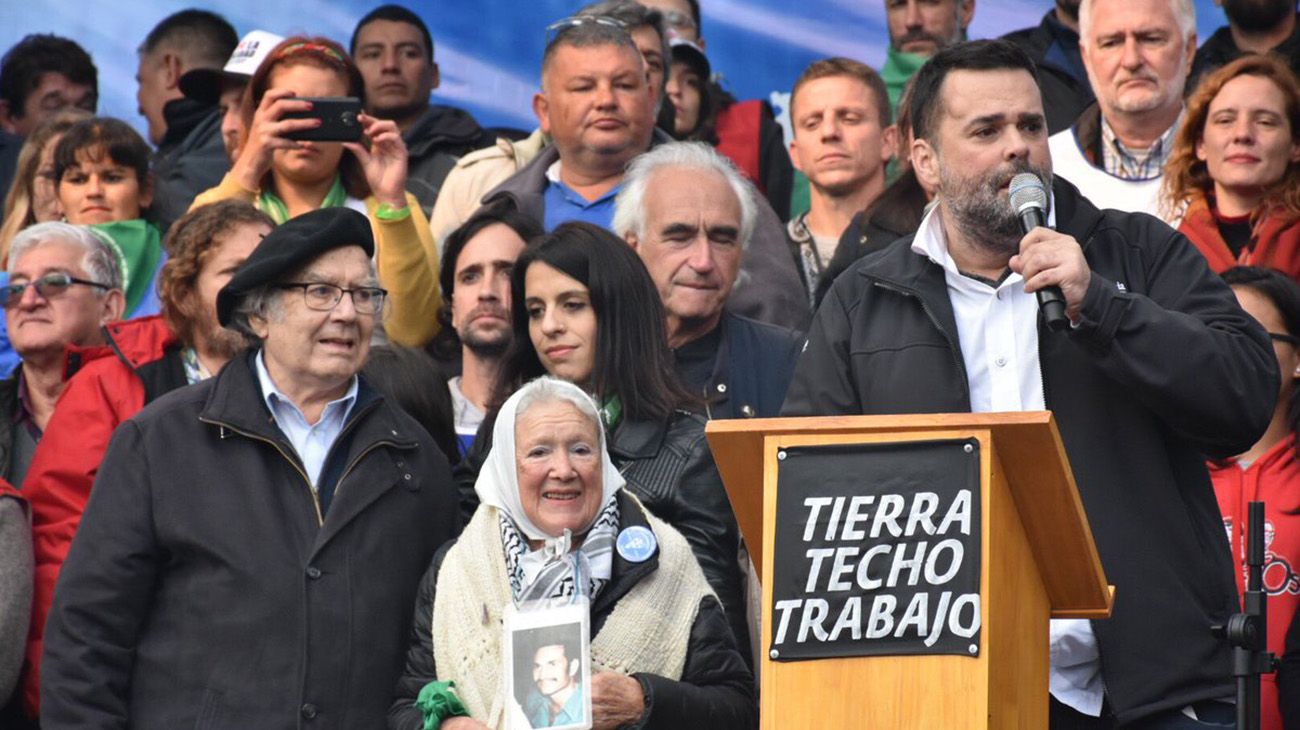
(1155, 368)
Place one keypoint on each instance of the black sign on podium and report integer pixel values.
(877, 550)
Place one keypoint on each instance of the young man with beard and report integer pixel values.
(1159, 368)
(477, 259)
(145, 359)
(1254, 26)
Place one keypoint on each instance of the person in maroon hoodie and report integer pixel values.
(144, 359)
(1270, 470)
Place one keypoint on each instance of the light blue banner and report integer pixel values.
(489, 50)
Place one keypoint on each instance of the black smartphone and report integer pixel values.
(338, 116)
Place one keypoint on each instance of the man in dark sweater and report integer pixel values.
(689, 214)
(1254, 26)
(1062, 79)
(394, 51)
(191, 156)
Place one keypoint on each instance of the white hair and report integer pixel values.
(547, 389)
(1184, 13)
(99, 260)
(629, 207)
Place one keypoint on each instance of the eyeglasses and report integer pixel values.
(325, 297)
(48, 287)
(554, 30)
(678, 20)
(1291, 340)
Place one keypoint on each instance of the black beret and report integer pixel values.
(292, 246)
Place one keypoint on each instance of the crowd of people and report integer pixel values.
(291, 423)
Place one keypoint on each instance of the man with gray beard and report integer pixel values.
(1254, 26)
(1158, 368)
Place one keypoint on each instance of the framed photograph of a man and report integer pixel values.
(548, 668)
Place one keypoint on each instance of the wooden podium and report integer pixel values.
(1037, 561)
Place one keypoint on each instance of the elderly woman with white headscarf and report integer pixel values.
(555, 523)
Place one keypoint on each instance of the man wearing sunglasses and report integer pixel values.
(251, 550)
(64, 286)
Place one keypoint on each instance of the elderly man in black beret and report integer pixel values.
(252, 544)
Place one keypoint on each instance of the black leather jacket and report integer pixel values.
(716, 689)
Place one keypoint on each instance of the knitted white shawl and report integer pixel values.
(648, 631)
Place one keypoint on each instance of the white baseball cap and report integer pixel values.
(205, 84)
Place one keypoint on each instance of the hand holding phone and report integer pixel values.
(338, 117)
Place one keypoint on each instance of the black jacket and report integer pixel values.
(1219, 49)
(1061, 76)
(752, 367)
(716, 689)
(1163, 369)
(204, 590)
(190, 159)
(768, 288)
(433, 144)
(669, 467)
(1288, 678)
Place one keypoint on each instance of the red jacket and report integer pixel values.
(102, 394)
(1275, 241)
(1275, 479)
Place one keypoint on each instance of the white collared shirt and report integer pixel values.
(311, 441)
(997, 328)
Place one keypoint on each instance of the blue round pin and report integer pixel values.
(636, 544)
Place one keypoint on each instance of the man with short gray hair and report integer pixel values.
(1137, 54)
(690, 215)
(278, 515)
(64, 286)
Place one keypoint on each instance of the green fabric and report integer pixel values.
(271, 204)
(611, 412)
(437, 702)
(800, 195)
(138, 245)
(898, 70)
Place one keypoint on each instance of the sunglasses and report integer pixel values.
(554, 30)
(48, 287)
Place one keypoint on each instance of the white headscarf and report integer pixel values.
(498, 480)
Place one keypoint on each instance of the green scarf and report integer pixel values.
(138, 245)
(898, 70)
(611, 412)
(270, 203)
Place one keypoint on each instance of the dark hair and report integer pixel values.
(203, 37)
(634, 15)
(411, 380)
(396, 14)
(983, 55)
(587, 35)
(321, 53)
(37, 54)
(632, 359)
(847, 67)
(123, 145)
(561, 635)
(695, 15)
(446, 344)
(189, 244)
(1284, 293)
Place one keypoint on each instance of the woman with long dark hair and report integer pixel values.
(584, 309)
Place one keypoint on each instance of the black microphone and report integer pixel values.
(1029, 201)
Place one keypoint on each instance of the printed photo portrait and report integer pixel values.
(549, 669)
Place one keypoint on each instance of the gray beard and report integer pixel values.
(984, 218)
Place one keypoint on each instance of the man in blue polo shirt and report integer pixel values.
(598, 108)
